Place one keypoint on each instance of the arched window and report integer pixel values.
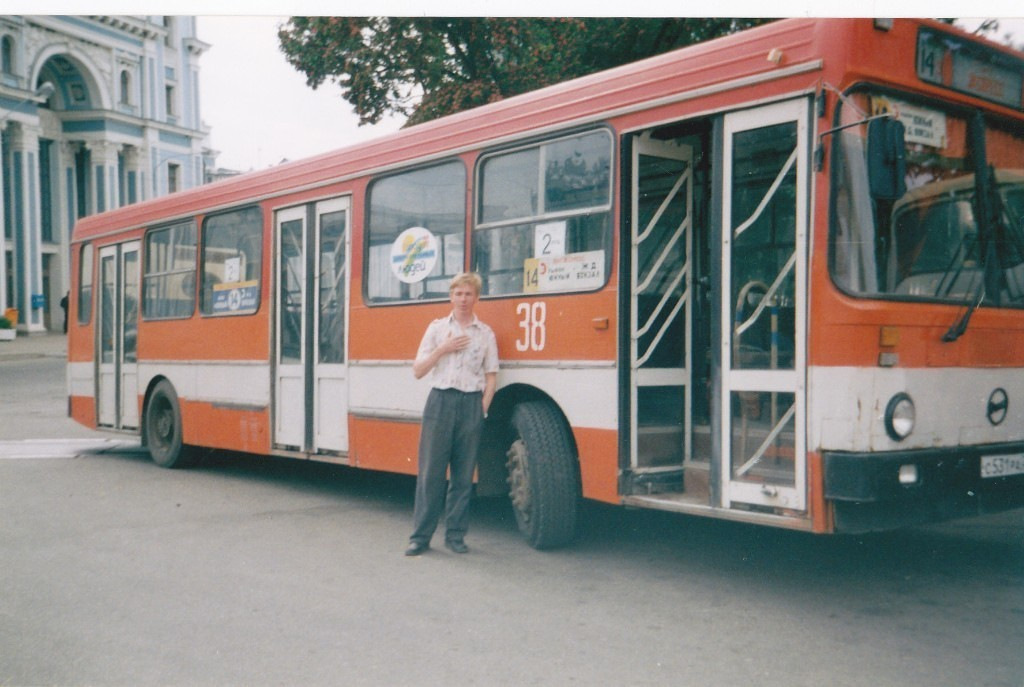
(126, 82)
(7, 55)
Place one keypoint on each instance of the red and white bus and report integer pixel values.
(777, 277)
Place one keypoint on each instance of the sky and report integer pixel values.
(260, 110)
(259, 107)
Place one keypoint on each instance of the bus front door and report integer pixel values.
(311, 377)
(763, 306)
(117, 393)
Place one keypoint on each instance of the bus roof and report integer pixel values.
(735, 60)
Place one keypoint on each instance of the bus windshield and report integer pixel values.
(929, 244)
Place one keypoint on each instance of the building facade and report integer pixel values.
(96, 112)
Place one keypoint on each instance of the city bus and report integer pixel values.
(776, 278)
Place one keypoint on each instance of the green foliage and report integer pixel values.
(427, 67)
(5, 323)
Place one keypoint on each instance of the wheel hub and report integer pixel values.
(519, 479)
(164, 424)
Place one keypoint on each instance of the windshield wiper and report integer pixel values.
(984, 179)
(957, 329)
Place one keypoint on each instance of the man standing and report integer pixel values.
(461, 355)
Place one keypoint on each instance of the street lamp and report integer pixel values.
(42, 93)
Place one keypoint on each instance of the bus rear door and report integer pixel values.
(117, 395)
(311, 378)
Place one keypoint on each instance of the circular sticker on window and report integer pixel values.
(413, 254)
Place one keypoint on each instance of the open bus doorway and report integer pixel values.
(669, 366)
(717, 270)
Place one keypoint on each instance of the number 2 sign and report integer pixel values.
(549, 239)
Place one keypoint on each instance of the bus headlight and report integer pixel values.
(899, 416)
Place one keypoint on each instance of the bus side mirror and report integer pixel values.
(887, 159)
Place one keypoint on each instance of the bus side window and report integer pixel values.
(168, 282)
(415, 233)
(85, 284)
(541, 206)
(232, 248)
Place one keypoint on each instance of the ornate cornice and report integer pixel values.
(196, 46)
(131, 25)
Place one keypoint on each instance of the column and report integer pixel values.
(63, 220)
(4, 302)
(132, 177)
(104, 174)
(143, 173)
(68, 189)
(27, 232)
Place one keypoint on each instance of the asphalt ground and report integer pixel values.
(25, 346)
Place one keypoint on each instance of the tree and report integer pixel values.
(990, 29)
(426, 67)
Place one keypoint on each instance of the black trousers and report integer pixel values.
(449, 439)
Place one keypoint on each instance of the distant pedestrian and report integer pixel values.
(64, 306)
(461, 355)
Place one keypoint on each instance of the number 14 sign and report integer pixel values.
(572, 272)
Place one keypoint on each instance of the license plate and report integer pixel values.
(1001, 466)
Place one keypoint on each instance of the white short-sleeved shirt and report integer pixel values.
(464, 370)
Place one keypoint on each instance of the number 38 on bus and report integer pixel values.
(777, 278)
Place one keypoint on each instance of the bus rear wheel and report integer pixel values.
(163, 429)
(542, 479)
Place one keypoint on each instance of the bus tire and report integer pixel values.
(542, 479)
(163, 429)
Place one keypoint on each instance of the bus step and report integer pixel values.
(659, 481)
(697, 479)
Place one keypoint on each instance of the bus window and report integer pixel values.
(85, 284)
(331, 345)
(108, 310)
(168, 285)
(416, 233)
(130, 307)
(543, 217)
(764, 239)
(232, 250)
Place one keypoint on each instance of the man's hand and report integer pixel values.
(452, 344)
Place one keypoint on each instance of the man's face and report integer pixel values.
(463, 298)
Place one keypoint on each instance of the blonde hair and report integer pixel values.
(471, 279)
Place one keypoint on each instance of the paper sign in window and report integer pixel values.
(549, 239)
(573, 272)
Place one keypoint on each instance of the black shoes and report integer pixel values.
(417, 548)
(457, 545)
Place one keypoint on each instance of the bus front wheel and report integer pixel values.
(163, 429)
(542, 479)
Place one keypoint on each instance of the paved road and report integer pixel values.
(259, 571)
(33, 390)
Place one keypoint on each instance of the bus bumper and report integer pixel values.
(880, 491)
